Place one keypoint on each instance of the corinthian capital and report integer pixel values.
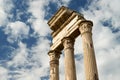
(68, 43)
(85, 26)
(54, 54)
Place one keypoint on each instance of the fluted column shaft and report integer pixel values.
(88, 49)
(54, 64)
(70, 71)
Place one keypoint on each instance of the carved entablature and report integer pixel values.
(85, 26)
(64, 24)
(65, 21)
(59, 18)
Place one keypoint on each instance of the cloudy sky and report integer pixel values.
(25, 38)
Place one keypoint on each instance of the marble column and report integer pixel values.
(70, 71)
(88, 49)
(54, 64)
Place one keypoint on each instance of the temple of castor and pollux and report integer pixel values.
(67, 25)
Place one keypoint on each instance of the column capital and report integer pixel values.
(54, 54)
(85, 27)
(54, 64)
(68, 42)
(70, 71)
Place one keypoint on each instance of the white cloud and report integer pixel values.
(61, 2)
(3, 17)
(108, 63)
(20, 54)
(39, 61)
(41, 50)
(65, 2)
(5, 7)
(3, 73)
(30, 74)
(16, 30)
(39, 25)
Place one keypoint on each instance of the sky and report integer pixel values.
(25, 38)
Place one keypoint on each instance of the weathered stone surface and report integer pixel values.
(70, 71)
(66, 25)
(54, 64)
(88, 49)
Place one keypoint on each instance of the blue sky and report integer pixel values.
(25, 38)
